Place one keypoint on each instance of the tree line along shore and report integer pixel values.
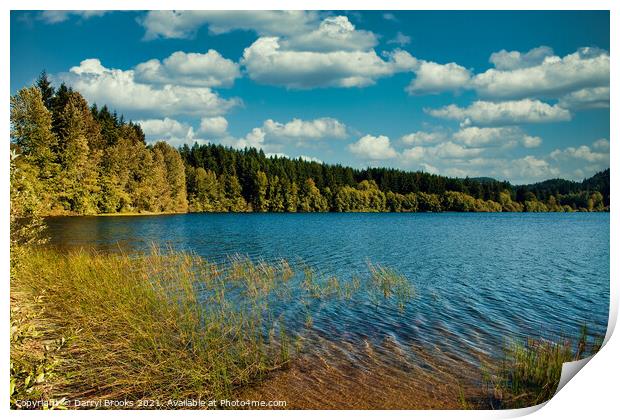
(69, 158)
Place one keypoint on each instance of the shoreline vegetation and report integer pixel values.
(168, 326)
(128, 214)
(530, 371)
(162, 325)
(69, 158)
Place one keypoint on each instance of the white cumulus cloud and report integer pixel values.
(373, 148)
(214, 126)
(435, 78)
(400, 39)
(422, 138)
(255, 138)
(583, 152)
(185, 24)
(553, 77)
(300, 129)
(192, 69)
(334, 33)
(446, 150)
(531, 141)
(597, 97)
(266, 62)
(511, 60)
(578, 79)
(526, 169)
(495, 137)
(577, 162)
(119, 89)
(166, 127)
(174, 132)
(272, 136)
(601, 145)
(503, 113)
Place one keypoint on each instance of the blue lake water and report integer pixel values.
(480, 279)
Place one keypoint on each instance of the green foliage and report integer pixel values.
(26, 221)
(455, 201)
(290, 196)
(570, 193)
(232, 198)
(428, 202)
(81, 160)
(31, 131)
(46, 88)
(310, 198)
(172, 179)
(401, 202)
(535, 206)
(204, 191)
(275, 195)
(78, 181)
(260, 200)
(366, 198)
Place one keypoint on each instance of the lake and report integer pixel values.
(481, 279)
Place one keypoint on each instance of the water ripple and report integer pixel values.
(480, 279)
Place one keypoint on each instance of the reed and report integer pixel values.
(529, 373)
(388, 284)
(165, 325)
(154, 326)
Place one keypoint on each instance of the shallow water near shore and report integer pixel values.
(480, 280)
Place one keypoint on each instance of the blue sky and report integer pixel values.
(521, 96)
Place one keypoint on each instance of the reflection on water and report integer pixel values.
(480, 279)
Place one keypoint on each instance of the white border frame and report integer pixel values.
(591, 394)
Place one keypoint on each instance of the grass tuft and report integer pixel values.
(530, 371)
(389, 284)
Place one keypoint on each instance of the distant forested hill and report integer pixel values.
(69, 158)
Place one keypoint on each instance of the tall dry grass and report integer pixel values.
(529, 373)
(170, 325)
(156, 326)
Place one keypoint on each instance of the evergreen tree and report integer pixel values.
(47, 90)
(145, 177)
(58, 103)
(161, 190)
